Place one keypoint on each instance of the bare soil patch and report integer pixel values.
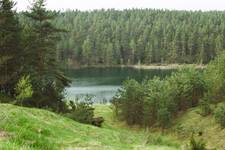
(3, 134)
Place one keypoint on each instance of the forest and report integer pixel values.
(38, 44)
(140, 36)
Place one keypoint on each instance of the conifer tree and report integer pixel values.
(173, 36)
(10, 52)
(42, 61)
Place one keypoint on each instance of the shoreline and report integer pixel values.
(147, 67)
(168, 66)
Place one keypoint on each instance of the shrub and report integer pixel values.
(23, 89)
(97, 121)
(205, 107)
(81, 110)
(197, 144)
(220, 115)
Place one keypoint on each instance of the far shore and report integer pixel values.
(151, 66)
(167, 66)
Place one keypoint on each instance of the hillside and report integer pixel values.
(139, 36)
(192, 121)
(25, 128)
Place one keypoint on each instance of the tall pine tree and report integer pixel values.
(10, 54)
(42, 61)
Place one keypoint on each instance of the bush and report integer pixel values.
(205, 107)
(97, 121)
(197, 145)
(220, 115)
(23, 89)
(82, 110)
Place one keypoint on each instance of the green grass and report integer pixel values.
(34, 129)
(192, 122)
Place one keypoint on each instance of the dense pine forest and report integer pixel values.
(38, 44)
(112, 37)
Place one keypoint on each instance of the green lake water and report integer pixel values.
(102, 83)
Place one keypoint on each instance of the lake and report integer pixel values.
(102, 83)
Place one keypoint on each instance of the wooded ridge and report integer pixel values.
(130, 37)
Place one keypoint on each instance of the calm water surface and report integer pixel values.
(102, 83)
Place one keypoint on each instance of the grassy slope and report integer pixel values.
(40, 129)
(182, 128)
(192, 121)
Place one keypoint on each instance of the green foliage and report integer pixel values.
(197, 145)
(155, 96)
(31, 51)
(159, 100)
(220, 115)
(205, 107)
(81, 110)
(143, 36)
(24, 89)
(187, 86)
(164, 117)
(130, 99)
(40, 36)
(10, 47)
(215, 78)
